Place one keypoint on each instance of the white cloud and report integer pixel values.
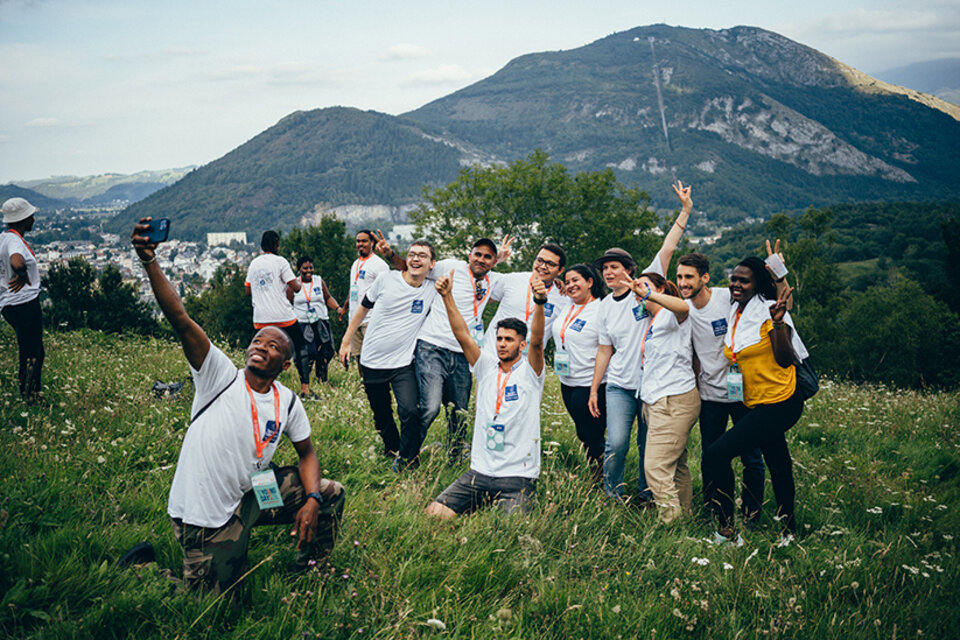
(43, 122)
(444, 74)
(881, 21)
(405, 51)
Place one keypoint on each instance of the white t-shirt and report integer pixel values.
(579, 341)
(12, 243)
(363, 273)
(268, 275)
(708, 327)
(218, 453)
(623, 325)
(667, 357)
(519, 415)
(436, 329)
(314, 309)
(395, 320)
(516, 301)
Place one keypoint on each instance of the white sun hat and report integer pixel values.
(17, 209)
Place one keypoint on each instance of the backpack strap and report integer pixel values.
(207, 406)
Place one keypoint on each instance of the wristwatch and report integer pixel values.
(316, 496)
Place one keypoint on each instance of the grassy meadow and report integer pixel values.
(86, 472)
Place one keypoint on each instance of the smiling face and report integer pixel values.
(689, 280)
(547, 266)
(482, 259)
(743, 286)
(269, 353)
(613, 273)
(419, 260)
(364, 244)
(306, 271)
(578, 287)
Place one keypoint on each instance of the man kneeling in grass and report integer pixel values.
(225, 484)
(505, 454)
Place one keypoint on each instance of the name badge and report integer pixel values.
(561, 363)
(312, 314)
(719, 327)
(476, 331)
(510, 393)
(734, 385)
(354, 292)
(548, 309)
(266, 489)
(494, 436)
(417, 306)
(640, 311)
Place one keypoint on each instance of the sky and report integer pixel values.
(119, 86)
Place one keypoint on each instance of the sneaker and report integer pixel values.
(310, 395)
(141, 553)
(724, 541)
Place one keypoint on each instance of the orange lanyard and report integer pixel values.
(568, 319)
(527, 310)
(256, 419)
(501, 389)
(733, 334)
(643, 343)
(307, 290)
(361, 262)
(17, 233)
(473, 283)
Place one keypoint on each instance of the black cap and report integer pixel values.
(615, 254)
(486, 242)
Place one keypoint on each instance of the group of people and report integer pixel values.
(660, 353)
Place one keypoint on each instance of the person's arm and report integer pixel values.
(293, 286)
(672, 239)
(194, 341)
(20, 278)
(678, 306)
(329, 299)
(383, 248)
(461, 332)
(306, 519)
(780, 333)
(355, 323)
(604, 353)
(535, 347)
(781, 284)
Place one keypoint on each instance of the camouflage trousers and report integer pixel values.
(215, 558)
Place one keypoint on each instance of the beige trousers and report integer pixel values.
(356, 342)
(669, 421)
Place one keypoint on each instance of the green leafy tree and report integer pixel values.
(538, 201)
(224, 310)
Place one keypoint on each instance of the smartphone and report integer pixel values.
(776, 265)
(157, 231)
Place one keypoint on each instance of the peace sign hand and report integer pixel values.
(779, 309)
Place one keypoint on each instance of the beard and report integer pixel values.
(510, 356)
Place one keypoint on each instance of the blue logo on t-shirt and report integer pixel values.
(318, 290)
(640, 312)
(271, 431)
(547, 309)
(417, 306)
(362, 274)
(510, 393)
(578, 325)
(719, 327)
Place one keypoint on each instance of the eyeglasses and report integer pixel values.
(549, 263)
(418, 254)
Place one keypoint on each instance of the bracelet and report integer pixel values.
(779, 325)
(316, 496)
(540, 302)
(146, 262)
(646, 295)
(682, 227)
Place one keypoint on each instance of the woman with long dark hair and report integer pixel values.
(576, 335)
(762, 347)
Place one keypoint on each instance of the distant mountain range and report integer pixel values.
(758, 123)
(35, 198)
(106, 188)
(937, 77)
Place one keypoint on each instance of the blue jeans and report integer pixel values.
(444, 378)
(623, 406)
(713, 424)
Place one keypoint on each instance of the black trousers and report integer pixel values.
(318, 343)
(378, 383)
(762, 426)
(590, 430)
(27, 322)
(300, 360)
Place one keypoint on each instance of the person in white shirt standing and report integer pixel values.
(398, 303)
(225, 483)
(505, 456)
(709, 308)
(363, 273)
(443, 373)
(271, 284)
(20, 292)
(311, 304)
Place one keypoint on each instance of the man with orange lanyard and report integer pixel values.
(363, 273)
(20, 292)
(443, 374)
(225, 484)
(505, 456)
(516, 298)
(272, 285)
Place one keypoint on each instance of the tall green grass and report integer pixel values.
(85, 476)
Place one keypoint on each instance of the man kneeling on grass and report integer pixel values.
(505, 454)
(225, 484)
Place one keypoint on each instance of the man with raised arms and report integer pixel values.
(516, 297)
(397, 303)
(505, 455)
(363, 273)
(225, 483)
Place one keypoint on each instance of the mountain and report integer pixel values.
(40, 201)
(938, 77)
(757, 122)
(107, 188)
